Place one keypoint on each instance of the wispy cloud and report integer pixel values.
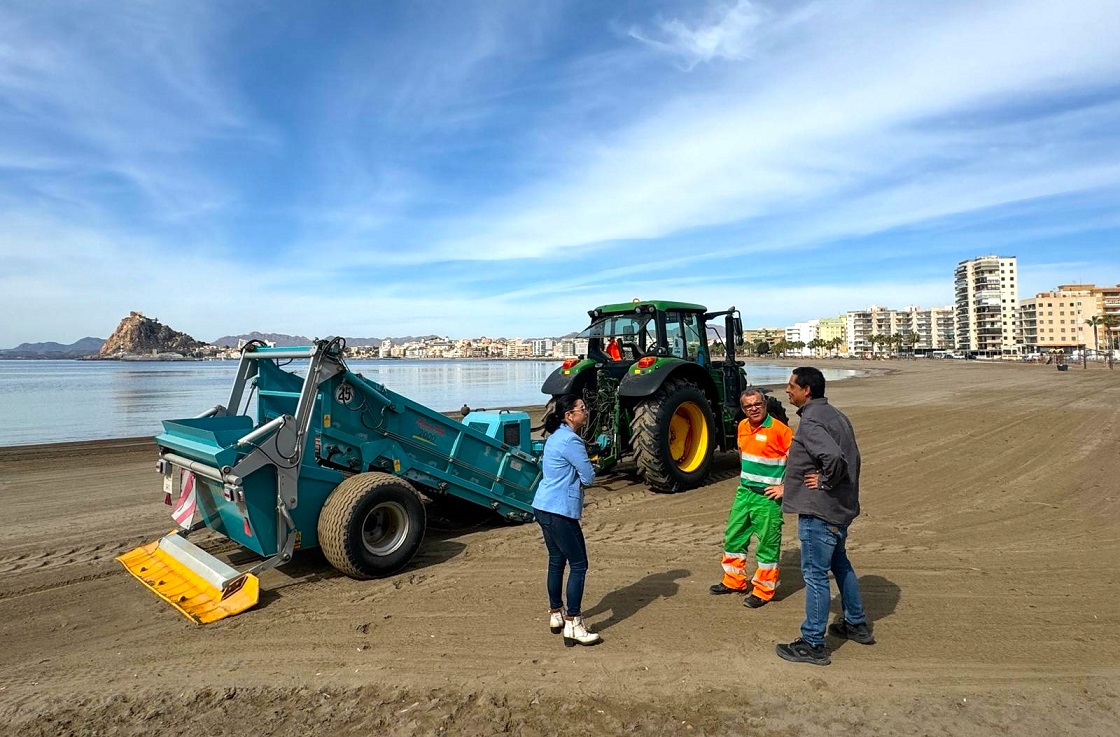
(500, 168)
(722, 31)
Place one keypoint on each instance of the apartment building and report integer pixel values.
(987, 309)
(830, 328)
(1059, 319)
(802, 332)
(751, 336)
(932, 328)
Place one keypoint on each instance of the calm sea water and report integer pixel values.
(56, 401)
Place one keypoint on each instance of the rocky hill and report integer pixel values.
(140, 336)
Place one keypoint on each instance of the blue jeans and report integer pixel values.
(822, 550)
(564, 539)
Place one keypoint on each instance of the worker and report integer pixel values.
(764, 443)
(613, 350)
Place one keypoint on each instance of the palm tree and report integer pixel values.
(1095, 320)
(910, 338)
(835, 344)
(1111, 322)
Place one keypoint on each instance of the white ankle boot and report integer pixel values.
(556, 621)
(576, 634)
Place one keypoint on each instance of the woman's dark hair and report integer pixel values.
(810, 378)
(561, 406)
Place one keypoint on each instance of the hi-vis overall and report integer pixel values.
(763, 452)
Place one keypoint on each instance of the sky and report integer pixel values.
(498, 167)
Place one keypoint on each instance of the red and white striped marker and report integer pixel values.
(183, 511)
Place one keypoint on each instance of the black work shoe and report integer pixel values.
(800, 651)
(754, 602)
(845, 630)
(719, 588)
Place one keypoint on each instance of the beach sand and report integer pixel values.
(987, 552)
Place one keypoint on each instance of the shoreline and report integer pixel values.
(122, 444)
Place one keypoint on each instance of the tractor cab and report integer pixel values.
(653, 391)
(651, 329)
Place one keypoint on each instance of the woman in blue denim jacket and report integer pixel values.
(558, 503)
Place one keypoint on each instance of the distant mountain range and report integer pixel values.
(50, 349)
(92, 346)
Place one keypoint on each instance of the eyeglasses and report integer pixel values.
(749, 407)
(578, 409)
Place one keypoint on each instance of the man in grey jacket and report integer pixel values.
(822, 489)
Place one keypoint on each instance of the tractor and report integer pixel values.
(654, 391)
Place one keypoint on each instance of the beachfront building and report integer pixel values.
(803, 333)
(753, 336)
(919, 330)
(931, 329)
(987, 309)
(864, 326)
(570, 347)
(1059, 319)
(542, 347)
(833, 328)
(1110, 308)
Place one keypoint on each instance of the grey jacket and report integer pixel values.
(824, 443)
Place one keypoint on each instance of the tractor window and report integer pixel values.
(683, 332)
(620, 337)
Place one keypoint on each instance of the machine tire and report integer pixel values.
(371, 525)
(674, 437)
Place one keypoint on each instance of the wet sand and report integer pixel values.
(987, 554)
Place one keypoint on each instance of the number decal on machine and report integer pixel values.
(344, 393)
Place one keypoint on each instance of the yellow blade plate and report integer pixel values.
(184, 589)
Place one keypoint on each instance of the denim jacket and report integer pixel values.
(565, 470)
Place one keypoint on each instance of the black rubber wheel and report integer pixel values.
(371, 525)
(776, 409)
(674, 437)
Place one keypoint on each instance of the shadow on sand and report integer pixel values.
(627, 601)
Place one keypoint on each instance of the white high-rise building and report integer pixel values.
(987, 301)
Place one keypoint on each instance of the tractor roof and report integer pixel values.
(660, 304)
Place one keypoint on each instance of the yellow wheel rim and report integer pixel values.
(688, 437)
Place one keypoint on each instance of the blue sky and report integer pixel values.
(498, 167)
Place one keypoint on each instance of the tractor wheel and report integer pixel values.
(776, 409)
(674, 437)
(371, 525)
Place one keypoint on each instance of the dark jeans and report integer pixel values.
(822, 550)
(564, 539)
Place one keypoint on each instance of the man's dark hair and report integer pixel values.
(811, 378)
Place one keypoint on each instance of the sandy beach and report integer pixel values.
(987, 553)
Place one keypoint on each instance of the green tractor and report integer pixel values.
(654, 392)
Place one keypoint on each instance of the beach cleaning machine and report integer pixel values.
(332, 460)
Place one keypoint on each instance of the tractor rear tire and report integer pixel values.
(371, 525)
(674, 437)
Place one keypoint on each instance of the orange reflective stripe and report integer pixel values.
(735, 571)
(765, 581)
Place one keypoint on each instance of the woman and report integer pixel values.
(565, 470)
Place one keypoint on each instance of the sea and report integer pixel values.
(62, 401)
